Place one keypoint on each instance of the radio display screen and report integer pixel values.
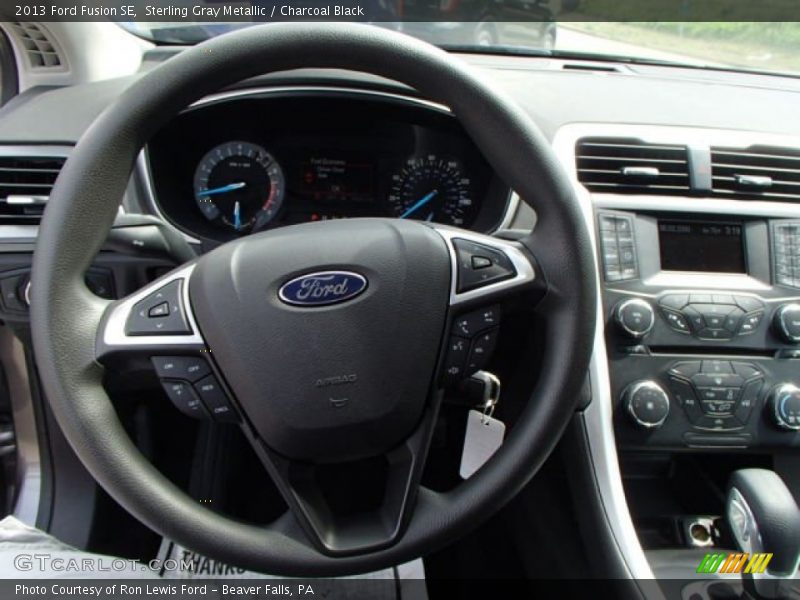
(701, 246)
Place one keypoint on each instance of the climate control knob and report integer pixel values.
(647, 404)
(635, 317)
(783, 404)
(787, 322)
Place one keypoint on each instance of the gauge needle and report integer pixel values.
(224, 189)
(237, 216)
(419, 204)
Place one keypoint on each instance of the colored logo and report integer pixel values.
(320, 289)
(736, 562)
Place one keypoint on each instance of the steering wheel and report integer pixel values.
(329, 341)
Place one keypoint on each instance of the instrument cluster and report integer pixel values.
(250, 164)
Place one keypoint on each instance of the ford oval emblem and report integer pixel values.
(320, 289)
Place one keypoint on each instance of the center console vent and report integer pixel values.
(630, 166)
(757, 172)
(25, 184)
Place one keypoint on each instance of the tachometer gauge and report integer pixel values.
(432, 189)
(239, 185)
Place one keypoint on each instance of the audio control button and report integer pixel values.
(751, 322)
(676, 321)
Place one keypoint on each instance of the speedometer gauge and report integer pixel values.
(432, 189)
(239, 185)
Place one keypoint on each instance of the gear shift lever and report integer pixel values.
(764, 518)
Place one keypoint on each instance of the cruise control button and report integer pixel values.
(215, 399)
(481, 351)
(160, 313)
(181, 367)
(185, 400)
(471, 276)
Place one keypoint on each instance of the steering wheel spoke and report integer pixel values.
(354, 507)
(155, 329)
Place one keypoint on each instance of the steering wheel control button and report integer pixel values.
(457, 351)
(481, 262)
(159, 310)
(635, 317)
(160, 313)
(215, 399)
(480, 265)
(647, 404)
(184, 398)
(188, 368)
(473, 323)
(482, 348)
(472, 343)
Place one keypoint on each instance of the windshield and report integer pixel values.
(759, 46)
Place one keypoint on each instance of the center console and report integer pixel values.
(702, 327)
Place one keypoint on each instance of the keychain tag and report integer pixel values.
(484, 436)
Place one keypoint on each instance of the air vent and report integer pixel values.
(39, 47)
(757, 172)
(25, 184)
(630, 166)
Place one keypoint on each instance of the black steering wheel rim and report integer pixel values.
(65, 315)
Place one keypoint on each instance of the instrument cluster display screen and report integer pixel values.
(701, 246)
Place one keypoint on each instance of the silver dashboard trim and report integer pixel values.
(525, 273)
(598, 416)
(114, 335)
(29, 467)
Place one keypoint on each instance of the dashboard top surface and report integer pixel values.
(549, 90)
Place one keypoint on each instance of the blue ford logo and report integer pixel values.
(319, 289)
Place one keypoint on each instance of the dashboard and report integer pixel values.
(248, 163)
